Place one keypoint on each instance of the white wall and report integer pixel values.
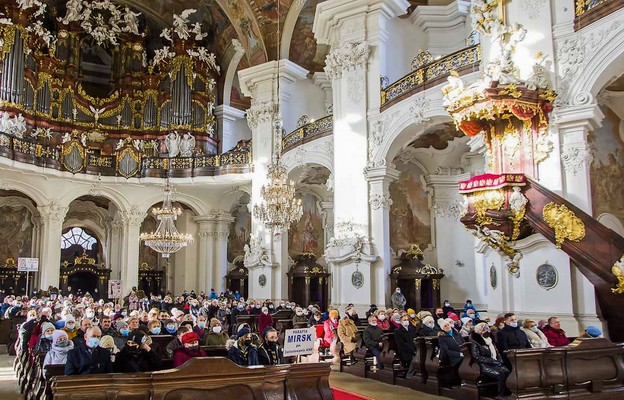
(406, 40)
(306, 98)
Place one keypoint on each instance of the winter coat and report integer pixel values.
(482, 355)
(213, 339)
(268, 356)
(143, 361)
(404, 340)
(43, 345)
(426, 331)
(372, 336)
(83, 361)
(57, 355)
(398, 300)
(245, 356)
(71, 333)
(537, 339)
(384, 325)
(556, 337)
(328, 330)
(347, 333)
(174, 344)
(450, 350)
(510, 338)
(182, 355)
(264, 320)
(297, 319)
(25, 332)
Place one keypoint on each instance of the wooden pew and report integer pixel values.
(587, 368)
(252, 320)
(436, 374)
(202, 378)
(51, 371)
(474, 385)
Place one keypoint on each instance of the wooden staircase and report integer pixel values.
(594, 255)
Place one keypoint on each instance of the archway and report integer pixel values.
(82, 282)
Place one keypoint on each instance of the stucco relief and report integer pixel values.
(347, 57)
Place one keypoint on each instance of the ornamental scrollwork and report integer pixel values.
(256, 254)
(618, 271)
(564, 222)
(348, 56)
(378, 200)
(260, 113)
(574, 158)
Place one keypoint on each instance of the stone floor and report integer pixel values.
(8, 383)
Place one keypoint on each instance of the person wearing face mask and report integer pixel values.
(171, 327)
(398, 300)
(372, 340)
(189, 349)
(299, 317)
(404, 339)
(467, 326)
(347, 333)
(255, 309)
(511, 337)
(177, 341)
(413, 318)
(200, 328)
(137, 355)
(61, 345)
(88, 357)
(488, 359)
(447, 308)
(239, 310)
(382, 321)
(450, 348)
(330, 333)
(470, 306)
(44, 343)
(270, 352)
(395, 321)
(216, 336)
(264, 320)
(427, 328)
(90, 313)
(536, 337)
(223, 313)
(242, 351)
(315, 319)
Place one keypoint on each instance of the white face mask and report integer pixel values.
(216, 329)
(412, 315)
(381, 317)
(299, 313)
(373, 323)
(405, 323)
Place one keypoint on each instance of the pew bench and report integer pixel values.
(202, 378)
(476, 385)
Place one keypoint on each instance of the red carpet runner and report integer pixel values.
(340, 394)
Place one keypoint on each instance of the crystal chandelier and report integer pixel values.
(279, 207)
(166, 239)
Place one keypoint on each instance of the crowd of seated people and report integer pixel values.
(91, 336)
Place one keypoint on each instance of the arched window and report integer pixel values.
(77, 236)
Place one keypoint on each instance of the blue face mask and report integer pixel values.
(156, 331)
(201, 325)
(93, 342)
(124, 332)
(49, 337)
(171, 329)
(513, 324)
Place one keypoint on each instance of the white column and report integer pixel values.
(116, 247)
(260, 83)
(356, 32)
(322, 81)
(227, 117)
(52, 217)
(205, 240)
(379, 180)
(132, 220)
(445, 26)
(220, 269)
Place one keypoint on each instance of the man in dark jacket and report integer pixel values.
(85, 324)
(372, 340)
(137, 356)
(404, 340)
(511, 337)
(88, 357)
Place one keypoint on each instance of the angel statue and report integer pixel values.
(187, 145)
(132, 23)
(173, 144)
(180, 23)
(452, 89)
(74, 11)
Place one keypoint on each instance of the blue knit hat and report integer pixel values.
(593, 331)
(243, 332)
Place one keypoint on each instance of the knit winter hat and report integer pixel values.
(480, 327)
(593, 331)
(441, 323)
(465, 320)
(214, 322)
(47, 325)
(242, 332)
(68, 318)
(453, 316)
(58, 334)
(333, 314)
(428, 319)
(107, 342)
(121, 324)
(190, 337)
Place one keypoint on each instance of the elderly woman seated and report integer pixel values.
(488, 359)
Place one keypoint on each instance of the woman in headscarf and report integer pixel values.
(489, 360)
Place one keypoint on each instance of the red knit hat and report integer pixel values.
(453, 316)
(190, 337)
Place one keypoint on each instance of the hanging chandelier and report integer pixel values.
(279, 207)
(166, 239)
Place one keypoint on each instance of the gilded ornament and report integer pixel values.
(511, 90)
(564, 222)
(618, 272)
(485, 200)
(414, 251)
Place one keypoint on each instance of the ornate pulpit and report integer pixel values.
(419, 282)
(85, 276)
(238, 278)
(308, 281)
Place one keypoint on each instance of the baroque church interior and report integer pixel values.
(325, 153)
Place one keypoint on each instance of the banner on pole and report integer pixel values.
(114, 289)
(25, 264)
(299, 342)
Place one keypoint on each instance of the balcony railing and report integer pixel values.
(314, 130)
(588, 11)
(83, 160)
(463, 61)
